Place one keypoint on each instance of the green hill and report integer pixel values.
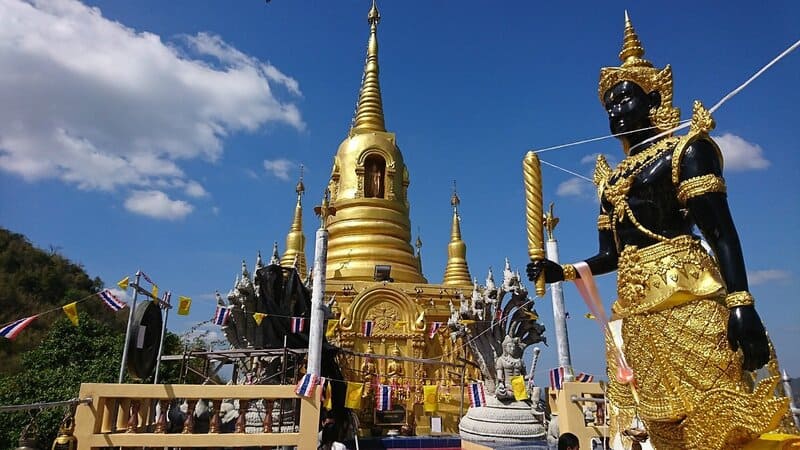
(33, 281)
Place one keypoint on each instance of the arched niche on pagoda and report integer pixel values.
(375, 171)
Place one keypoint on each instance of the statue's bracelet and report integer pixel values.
(740, 298)
(569, 272)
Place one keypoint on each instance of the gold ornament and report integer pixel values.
(740, 298)
(697, 186)
(570, 273)
(641, 71)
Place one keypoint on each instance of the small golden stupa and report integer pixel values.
(375, 276)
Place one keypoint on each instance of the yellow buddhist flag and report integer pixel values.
(327, 401)
(71, 310)
(184, 304)
(400, 324)
(353, 397)
(123, 283)
(589, 316)
(330, 332)
(430, 398)
(518, 386)
(258, 317)
(155, 293)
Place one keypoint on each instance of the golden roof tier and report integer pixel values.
(368, 186)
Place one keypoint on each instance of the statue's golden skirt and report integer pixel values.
(691, 388)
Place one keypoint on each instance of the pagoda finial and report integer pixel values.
(295, 254)
(259, 261)
(454, 200)
(300, 187)
(456, 272)
(275, 259)
(369, 112)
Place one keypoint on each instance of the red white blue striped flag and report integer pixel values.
(434, 328)
(111, 300)
(11, 330)
(221, 315)
(584, 378)
(383, 399)
(556, 378)
(306, 385)
(477, 395)
(366, 328)
(298, 324)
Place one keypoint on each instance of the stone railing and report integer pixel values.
(124, 415)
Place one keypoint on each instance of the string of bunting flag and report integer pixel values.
(12, 329)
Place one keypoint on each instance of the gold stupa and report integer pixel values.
(375, 277)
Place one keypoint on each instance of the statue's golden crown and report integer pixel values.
(641, 71)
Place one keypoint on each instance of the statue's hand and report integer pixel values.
(552, 271)
(746, 331)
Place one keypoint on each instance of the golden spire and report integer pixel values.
(632, 50)
(369, 112)
(456, 272)
(296, 240)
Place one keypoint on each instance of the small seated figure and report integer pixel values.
(508, 365)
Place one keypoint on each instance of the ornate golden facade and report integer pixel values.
(369, 188)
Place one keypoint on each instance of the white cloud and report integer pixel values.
(740, 155)
(195, 189)
(575, 187)
(102, 106)
(157, 205)
(278, 168)
(767, 276)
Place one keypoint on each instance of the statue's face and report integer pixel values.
(510, 347)
(628, 107)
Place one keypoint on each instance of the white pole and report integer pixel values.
(128, 330)
(560, 316)
(317, 309)
(167, 307)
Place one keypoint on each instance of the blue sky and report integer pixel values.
(167, 136)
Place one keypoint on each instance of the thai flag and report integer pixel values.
(221, 315)
(306, 385)
(298, 324)
(11, 330)
(477, 395)
(584, 378)
(556, 377)
(383, 399)
(111, 300)
(366, 328)
(434, 328)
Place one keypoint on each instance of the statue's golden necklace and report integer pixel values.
(622, 178)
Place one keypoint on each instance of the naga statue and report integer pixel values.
(277, 294)
(689, 327)
(498, 335)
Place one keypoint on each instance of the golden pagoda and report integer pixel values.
(384, 305)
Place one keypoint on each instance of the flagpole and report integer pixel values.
(166, 307)
(316, 330)
(559, 311)
(128, 330)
